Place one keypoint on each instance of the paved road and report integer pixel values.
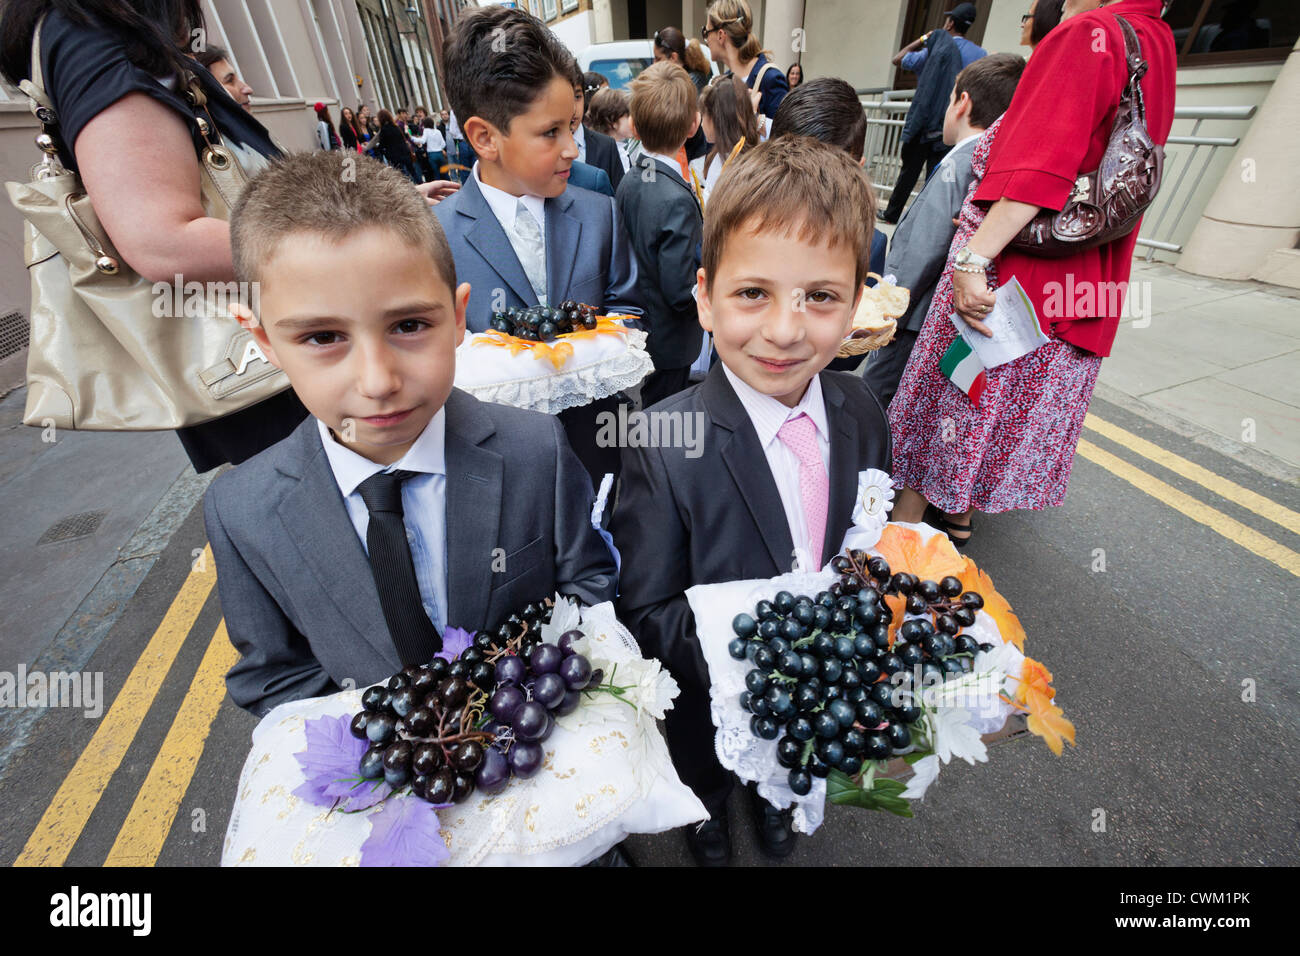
(1162, 594)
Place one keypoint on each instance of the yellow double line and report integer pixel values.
(1223, 524)
(140, 840)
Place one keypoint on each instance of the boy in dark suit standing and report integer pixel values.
(519, 232)
(401, 505)
(786, 248)
(665, 225)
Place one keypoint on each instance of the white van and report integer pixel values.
(621, 61)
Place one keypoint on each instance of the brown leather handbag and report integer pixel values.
(1107, 204)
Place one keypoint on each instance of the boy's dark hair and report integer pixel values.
(827, 109)
(794, 186)
(498, 62)
(333, 194)
(990, 82)
(607, 108)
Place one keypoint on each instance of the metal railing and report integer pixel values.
(885, 110)
(1188, 159)
(1176, 195)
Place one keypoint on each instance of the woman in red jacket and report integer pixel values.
(1013, 446)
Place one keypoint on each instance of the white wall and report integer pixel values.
(853, 39)
(576, 32)
(1002, 32)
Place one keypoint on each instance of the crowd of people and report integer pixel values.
(729, 216)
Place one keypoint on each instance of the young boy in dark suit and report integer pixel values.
(519, 232)
(401, 505)
(665, 225)
(775, 476)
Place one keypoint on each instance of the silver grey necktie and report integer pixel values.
(532, 250)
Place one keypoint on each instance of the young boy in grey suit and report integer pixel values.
(520, 233)
(664, 222)
(919, 250)
(401, 506)
(775, 474)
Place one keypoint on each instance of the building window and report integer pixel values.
(1211, 32)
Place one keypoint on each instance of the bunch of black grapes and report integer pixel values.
(825, 679)
(446, 729)
(541, 323)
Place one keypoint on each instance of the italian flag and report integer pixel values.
(963, 367)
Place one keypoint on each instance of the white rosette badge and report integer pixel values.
(870, 510)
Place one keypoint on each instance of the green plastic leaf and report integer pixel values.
(841, 790)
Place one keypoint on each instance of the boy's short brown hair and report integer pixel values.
(797, 186)
(991, 82)
(664, 106)
(332, 194)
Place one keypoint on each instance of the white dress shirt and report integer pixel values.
(504, 207)
(424, 505)
(768, 415)
(669, 161)
(580, 138)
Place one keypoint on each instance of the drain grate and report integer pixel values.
(73, 526)
(14, 334)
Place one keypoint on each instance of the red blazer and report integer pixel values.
(1056, 128)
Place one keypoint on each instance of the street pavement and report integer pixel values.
(1162, 596)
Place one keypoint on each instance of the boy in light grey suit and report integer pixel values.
(919, 249)
(401, 506)
(520, 233)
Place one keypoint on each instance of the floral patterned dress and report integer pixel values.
(1015, 447)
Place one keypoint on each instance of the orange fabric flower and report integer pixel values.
(1045, 718)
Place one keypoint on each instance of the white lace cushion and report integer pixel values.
(599, 367)
(606, 774)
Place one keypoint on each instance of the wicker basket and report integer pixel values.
(878, 303)
(867, 341)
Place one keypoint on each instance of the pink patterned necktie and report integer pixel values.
(800, 436)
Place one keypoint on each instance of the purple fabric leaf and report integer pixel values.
(454, 640)
(331, 758)
(404, 833)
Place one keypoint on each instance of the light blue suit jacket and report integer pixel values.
(588, 257)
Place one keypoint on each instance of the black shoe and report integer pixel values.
(886, 217)
(775, 835)
(710, 843)
(614, 856)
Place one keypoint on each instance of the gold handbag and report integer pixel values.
(110, 350)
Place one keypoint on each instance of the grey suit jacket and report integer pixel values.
(666, 227)
(296, 588)
(682, 521)
(588, 258)
(919, 249)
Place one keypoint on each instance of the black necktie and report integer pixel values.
(413, 634)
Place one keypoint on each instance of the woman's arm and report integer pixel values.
(971, 297)
(140, 171)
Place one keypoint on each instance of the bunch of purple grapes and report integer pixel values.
(427, 726)
(532, 689)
